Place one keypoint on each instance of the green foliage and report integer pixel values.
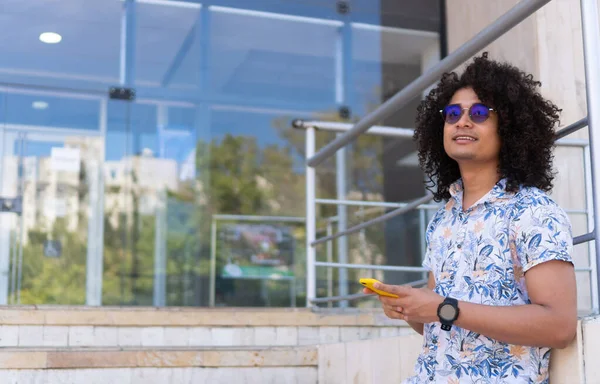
(54, 280)
(235, 176)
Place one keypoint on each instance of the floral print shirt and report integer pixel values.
(480, 255)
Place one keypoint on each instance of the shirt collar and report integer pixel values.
(497, 193)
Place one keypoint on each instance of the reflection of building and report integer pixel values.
(141, 177)
(54, 189)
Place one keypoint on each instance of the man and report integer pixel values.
(502, 288)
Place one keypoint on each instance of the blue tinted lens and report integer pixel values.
(479, 113)
(452, 113)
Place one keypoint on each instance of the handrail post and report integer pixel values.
(589, 206)
(591, 52)
(311, 276)
(342, 213)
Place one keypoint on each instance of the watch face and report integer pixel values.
(447, 312)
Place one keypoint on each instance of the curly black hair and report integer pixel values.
(526, 124)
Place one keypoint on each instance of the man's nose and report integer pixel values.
(464, 120)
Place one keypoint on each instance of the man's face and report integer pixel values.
(469, 142)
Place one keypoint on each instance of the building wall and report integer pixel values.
(549, 45)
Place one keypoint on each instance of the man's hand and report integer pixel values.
(417, 305)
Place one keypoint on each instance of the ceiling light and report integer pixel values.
(39, 105)
(50, 38)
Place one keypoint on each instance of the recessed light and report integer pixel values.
(39, 105)
(50, 38)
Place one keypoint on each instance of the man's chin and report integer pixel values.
(462, 156)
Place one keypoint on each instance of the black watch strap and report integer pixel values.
(444, 309)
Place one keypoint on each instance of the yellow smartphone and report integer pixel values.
(369, 284)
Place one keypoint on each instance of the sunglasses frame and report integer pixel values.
(462, 111)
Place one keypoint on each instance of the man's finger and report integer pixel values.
(399, 290)
(391, 301)
(392, 314)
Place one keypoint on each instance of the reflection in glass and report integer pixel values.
(205, 154)
(49, 242)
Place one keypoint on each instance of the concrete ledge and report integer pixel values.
(391, 360)
(78, 336)
(377, 361)
(157, 358)
(173, 316)
(252, 375)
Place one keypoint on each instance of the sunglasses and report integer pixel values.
(478, 113)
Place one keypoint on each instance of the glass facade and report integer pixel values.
(192, 192)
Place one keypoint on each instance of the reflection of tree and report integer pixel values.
(61, 280)
(244, 179)
(236, 175)
(54, 280)
(129, 249)
(247, 180)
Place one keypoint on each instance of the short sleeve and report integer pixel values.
(427, 261)
(542, 232)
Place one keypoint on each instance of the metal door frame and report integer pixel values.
(95, 251)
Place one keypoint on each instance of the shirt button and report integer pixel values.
(459, 246)
(430, 378)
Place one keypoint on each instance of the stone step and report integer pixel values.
(198, 327)
(102, 336)
(191, 317)
(159, 365)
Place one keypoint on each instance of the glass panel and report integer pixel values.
(151, 224)
(46, 244)
(87, 56)
(129, 216)
(255, 202)
(167, 49)
(272, 57)
(50, 109)
(248, 69)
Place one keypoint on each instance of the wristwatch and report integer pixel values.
(448, 312)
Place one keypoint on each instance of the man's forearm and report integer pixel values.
(530, 325)
(418, 327)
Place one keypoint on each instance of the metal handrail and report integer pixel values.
(576, 126)
(590, 31)
(504, 23)
(422, 203)
(559, 138)
(584, 238)
(378, 204)
(361, 295)
(397, 268)
(290, 219)
(408, 207)
(591, 59)
(332, 126)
